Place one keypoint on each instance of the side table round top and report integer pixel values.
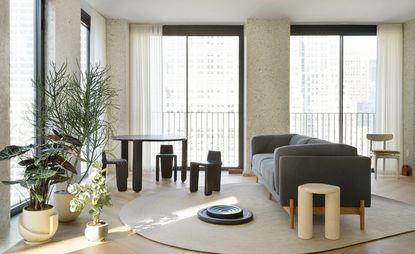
(319, 188)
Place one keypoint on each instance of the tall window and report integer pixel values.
(85, 41)
(84, 61)
(333, 83)
(202, 70)
(24, 56)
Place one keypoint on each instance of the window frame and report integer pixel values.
(217, 30)
(341, 31)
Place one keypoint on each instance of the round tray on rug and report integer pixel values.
(225, 215)
(224, 211)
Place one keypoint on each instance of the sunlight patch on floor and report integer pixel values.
(181, 214)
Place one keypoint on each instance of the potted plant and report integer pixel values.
(78, 104)
(95, 194)
(45, 165)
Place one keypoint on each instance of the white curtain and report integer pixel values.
(146, 74)
(389, 85)
(98, 39)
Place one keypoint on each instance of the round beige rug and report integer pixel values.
(170, 217)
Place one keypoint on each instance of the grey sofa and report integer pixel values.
(283, 162)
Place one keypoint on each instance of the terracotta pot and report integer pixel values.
(38, 226)
(61, 202)
(97, 232)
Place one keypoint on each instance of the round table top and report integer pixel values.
(319, 188)
(149, 138)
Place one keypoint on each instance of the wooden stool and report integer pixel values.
(121, 170)
(167, 157)
(212, 173)
(305, 210)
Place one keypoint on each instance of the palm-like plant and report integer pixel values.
(79, 105)
(45, 165)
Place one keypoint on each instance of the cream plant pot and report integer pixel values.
(61, 201)
(38, 226)
(96, 233)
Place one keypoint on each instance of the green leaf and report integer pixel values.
(59, 179)
(26, 162)
(43, 174)
(13, 182)
(59, 160)
(12, 151)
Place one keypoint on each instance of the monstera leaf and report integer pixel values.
(12, 151)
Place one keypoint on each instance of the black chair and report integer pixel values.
(166, 157)
(213, 166)
(121, 170)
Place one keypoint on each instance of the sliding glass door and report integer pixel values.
(202, 94)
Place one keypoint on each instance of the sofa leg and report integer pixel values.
(292, 213)
(256, 179)
(362, 214)
(269, 195)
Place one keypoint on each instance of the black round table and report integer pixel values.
(138, 153)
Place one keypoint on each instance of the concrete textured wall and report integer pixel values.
(408, 96)
(118, 44)
(4, 111)
(267, 86)
(63, 39)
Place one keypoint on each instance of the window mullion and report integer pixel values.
(341, 138)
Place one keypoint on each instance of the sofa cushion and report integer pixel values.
(318, 141)
(268, 173)
(299, 139)
(257, 160)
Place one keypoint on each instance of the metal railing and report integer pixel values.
(327, 126)
(206, 131)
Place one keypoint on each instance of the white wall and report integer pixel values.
(63, 39)
(118, 55)
(408, 96)
(267, 85)
(4, 111)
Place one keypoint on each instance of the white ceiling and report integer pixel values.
(237, 11)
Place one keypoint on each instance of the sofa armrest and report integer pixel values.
(350, 173)
(268, 143)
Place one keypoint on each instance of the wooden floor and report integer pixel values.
(69, 238)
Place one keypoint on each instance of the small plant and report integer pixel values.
(94, 193)
(45, 165)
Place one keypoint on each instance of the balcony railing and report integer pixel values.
(206, 131)
(327, 126)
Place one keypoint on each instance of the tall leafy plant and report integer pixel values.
(45, 165)
(79, 104)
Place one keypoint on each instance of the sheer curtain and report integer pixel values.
(146, 86)
(98, 39)
(389, 85)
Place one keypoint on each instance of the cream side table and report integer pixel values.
(305, 210)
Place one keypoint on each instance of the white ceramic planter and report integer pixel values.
(38, 226)
(96, 233)
(61, 202)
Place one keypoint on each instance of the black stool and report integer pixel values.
(166, 157)
(121, 170)
(212, 173)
